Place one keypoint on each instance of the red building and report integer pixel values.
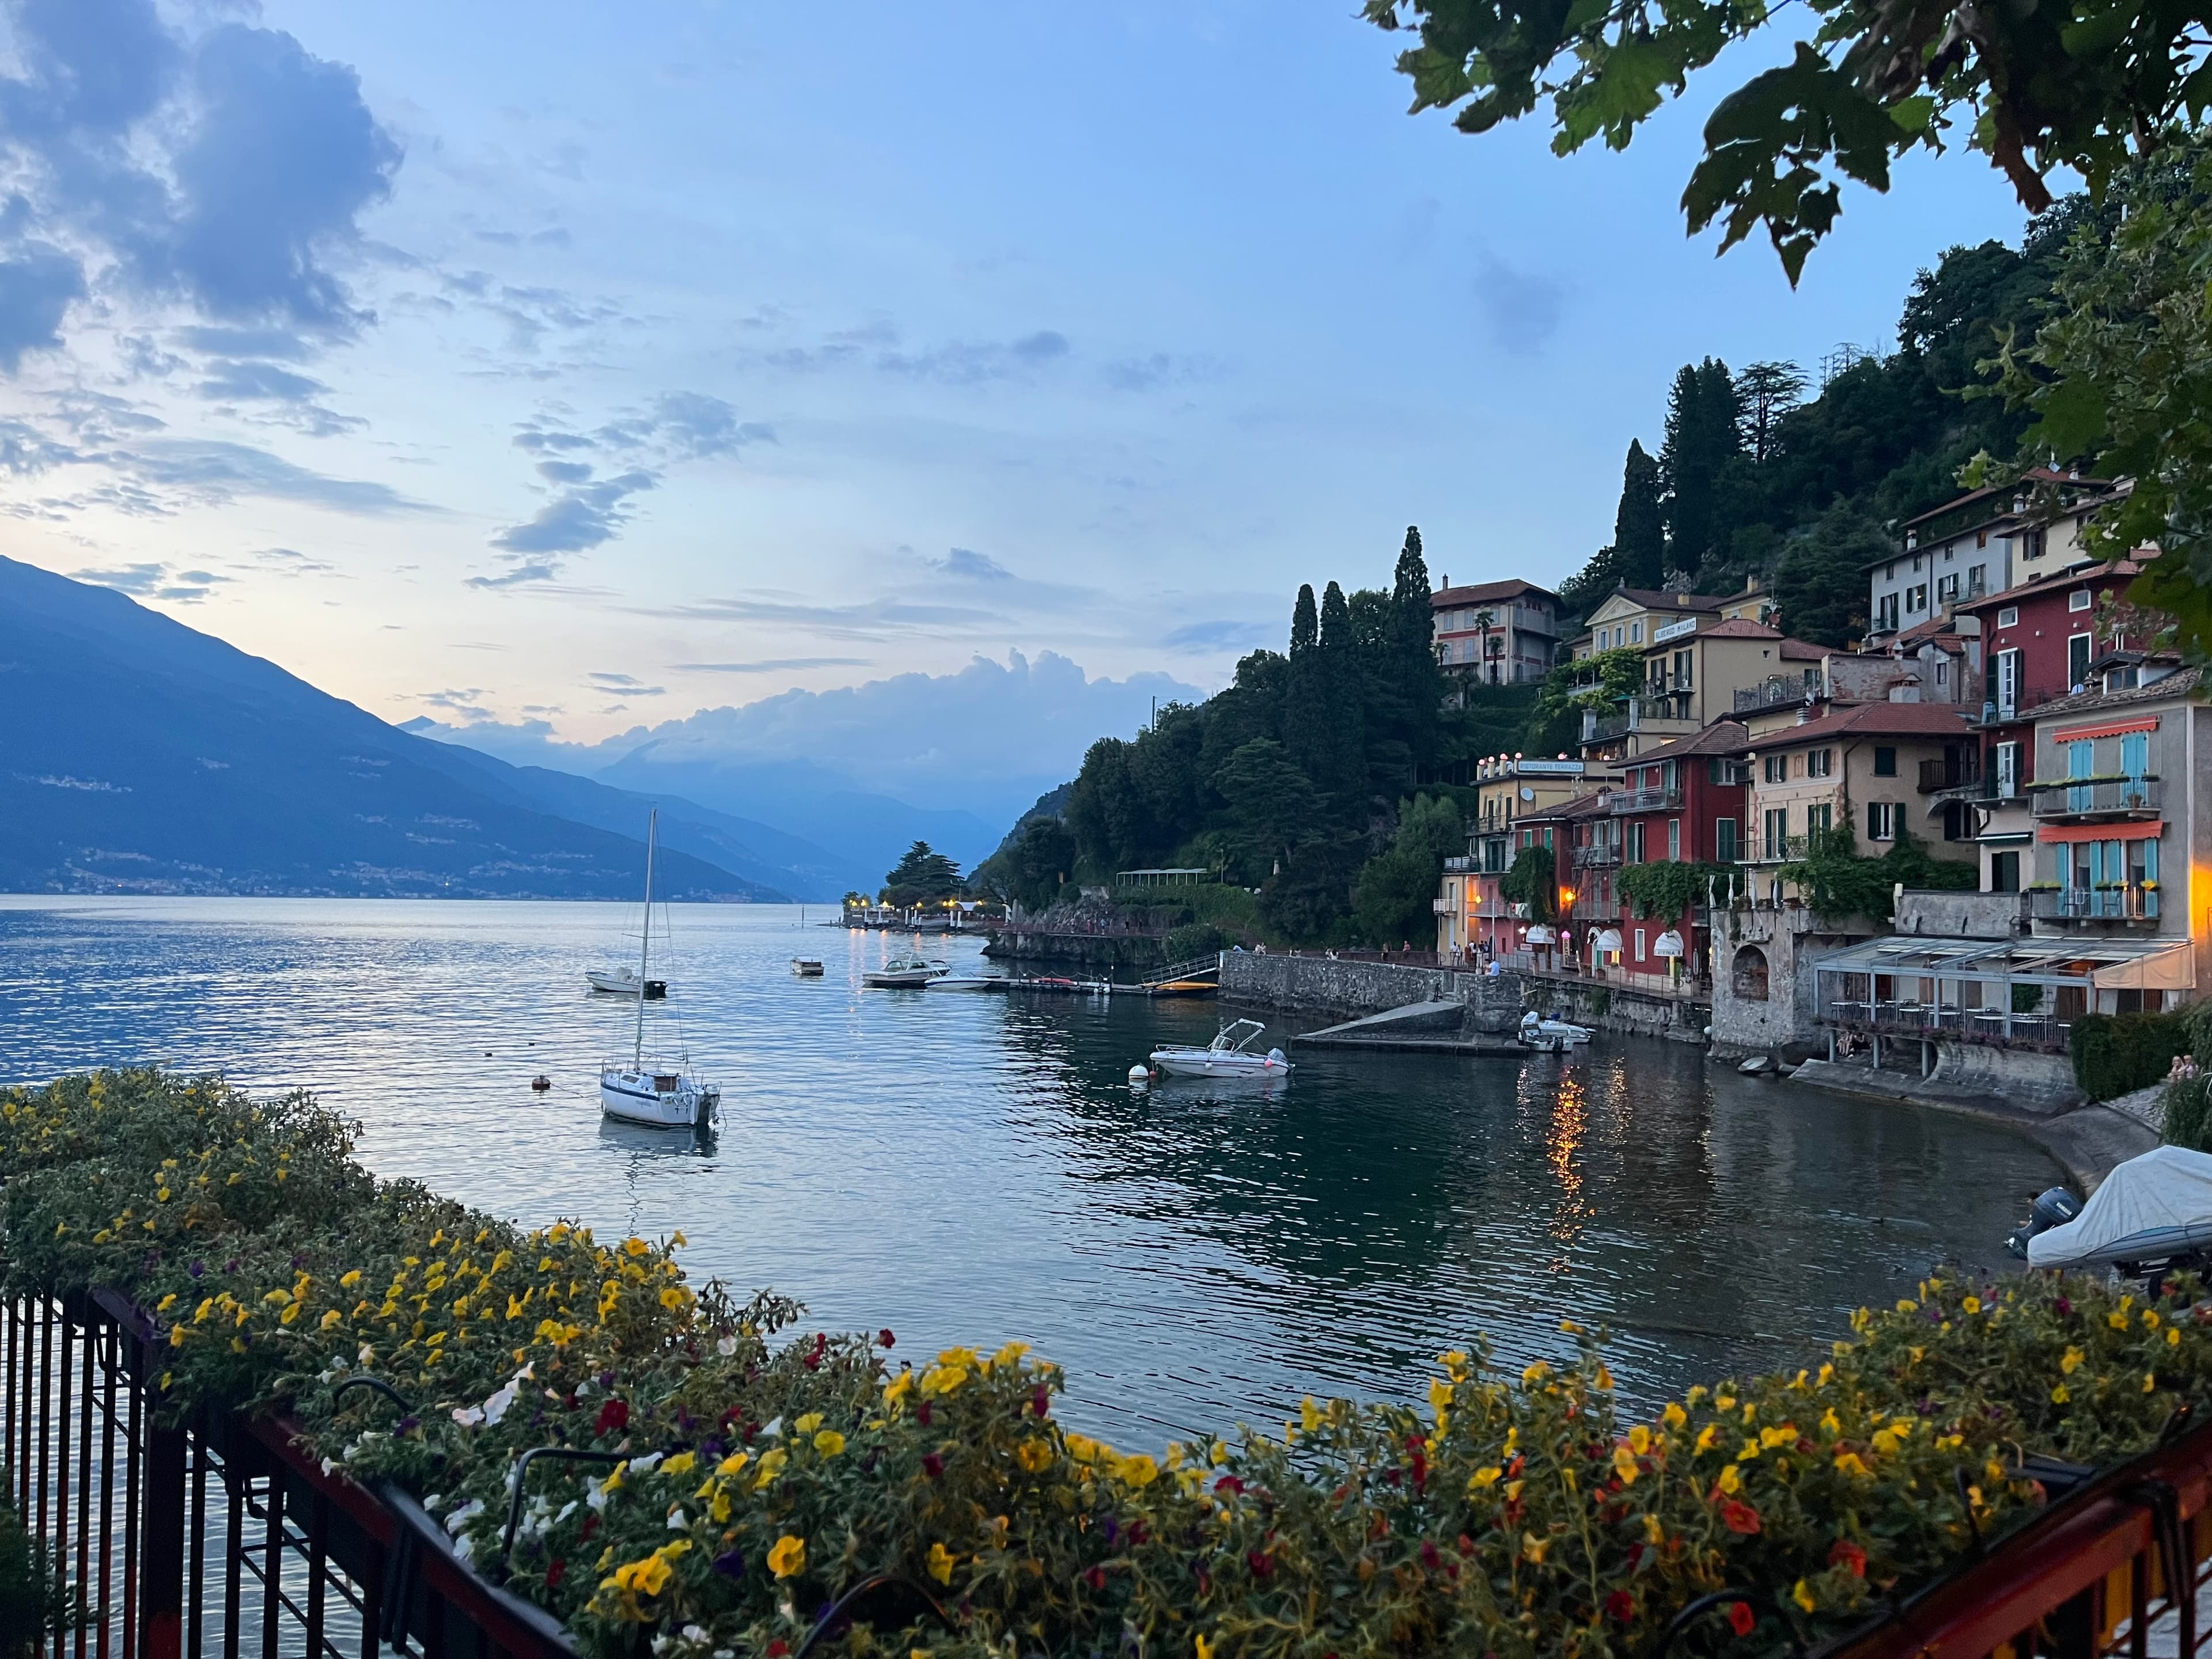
(1680, 804)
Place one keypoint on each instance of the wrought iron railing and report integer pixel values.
(2094, 904)
(2111, 797)
(1645, 800)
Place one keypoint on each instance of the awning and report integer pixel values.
(2105, 964)
(2105, 729)
(1608, 938)
(1669, 943)
(2123, 830)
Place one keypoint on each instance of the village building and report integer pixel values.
(1495, 633)
(1696, 670)
(1627, 618)
(1680, 804)
(1509, 789)
(1985, 542)
(1860, 764)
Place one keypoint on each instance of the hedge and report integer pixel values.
(766, 1466)
(2115, 1055)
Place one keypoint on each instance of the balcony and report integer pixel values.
(2131, 902)
(1772, 849)
(1915, 1019)
(2004, 710)
(1644, 801)
(2100, 798)
(1603, 856)
(1777, 692)
(1956, 771)
(1458, 866)
(1444, 906)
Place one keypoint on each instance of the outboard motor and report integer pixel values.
(2053, 1207)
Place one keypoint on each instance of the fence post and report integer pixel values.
(162, 1540)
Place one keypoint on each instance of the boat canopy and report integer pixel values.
(2102, 964)
(2149, 1207)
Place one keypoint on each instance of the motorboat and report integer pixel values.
(2151, 1214)
(625, 982)
(949, 981)
(1549, 1035)
(658, 1094)
(904, 973)
(806, 967)
(1230, 1054)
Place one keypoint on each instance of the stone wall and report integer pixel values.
(1123, 955)
(1617, 1008)
(2022, 1078)
(1963, 915)
(1319, 985)
(1790, 940)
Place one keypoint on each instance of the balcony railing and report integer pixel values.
(1613, 726)
(1772, 849)
(1459, 866)
(2002, 710)
(1952, 771)
(1645, 800)
(2130, 903)
(1603, 854)
(2119, 797)
(1777, 693)
(1916, 1019)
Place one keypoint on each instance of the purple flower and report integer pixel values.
(1112, 1530)
(231, 1265)
(407, 1425)
(196, 1269)
(298, 1262)
(731, 1565)
(713, 1450)
(2065, 1308)
(607, 1379)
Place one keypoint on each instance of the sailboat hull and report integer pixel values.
(638, 1097)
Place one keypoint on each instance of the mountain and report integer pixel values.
(139, 755)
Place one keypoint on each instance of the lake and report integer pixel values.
(976, 1168)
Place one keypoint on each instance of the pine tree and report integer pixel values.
(1638, 553)
(1303, 631)
(1765, 392)
(1703, 435)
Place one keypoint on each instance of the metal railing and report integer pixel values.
(2131, 904)
(1906, 1018)
(1774, 693)
(1645, 800)
(1773, 849)
(1601, 855)
(2113, 797)
(1952, 771)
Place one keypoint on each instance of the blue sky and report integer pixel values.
(594, 365)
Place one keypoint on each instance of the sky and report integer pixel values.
(584, 367)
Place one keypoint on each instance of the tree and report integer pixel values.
(922, 874)
(1336, 752)
(1639, 523)
(1765, 392)
(2084, 87)
(1272, 805)
(1820, 579)
(1533, 880)
(1393, 898)
(1703, 435)
(1039, 863)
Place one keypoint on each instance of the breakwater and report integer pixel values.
(1322, 985)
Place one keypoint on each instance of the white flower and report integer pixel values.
(774, 1426)
(677, 1521)
(329, 1465)
(694, 1633)
(645, 1465)
(368, 1354)
(567, 1509)
(468, 1416)
(660, 1644)
(461, 1516)
(726, 1347)
(465, 1548)
(597, 1497)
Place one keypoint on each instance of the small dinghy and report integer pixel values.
(904, 973)
(1230, 1054)
(625, 982)
(806, 967)
(1551, 1036)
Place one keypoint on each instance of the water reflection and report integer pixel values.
(976, 1168)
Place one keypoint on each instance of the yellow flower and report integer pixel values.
(1033, 1455)
(2150, 1382)
(1625, 1465)
(2118, 1322)
(1831, 1424)
(1484, 1477)
(646, 1576)
(1639, 1440)
(1673, 1417)
(1803, 1595)
(1750, 1450)
(1440, 1393)
(1205, 1648)
(1536, 1373)
(167, 1303)
(1532, 1547)
(807, 1424)
(674, 1297)
(830, 1443)
(1730, 1482)
(771, 1465)
(682, 1463)
(639, 1246)
(1778, 1436)
(788, 1559)
(1513, 1491)
(941, 1563)
(1653, 1532)
(1886, 1441)
(1708, 1436)
(732, 1463)
(2071, 1360)
(1850, 1462)
(2061, 1395)
(2150, 1319)
(897, 1388)
(1972, 1304)
(1310, 1415)
(1010, 1354)
(331, 1318)
(943, 1379)
(1138, 1472)
(2174, 1336)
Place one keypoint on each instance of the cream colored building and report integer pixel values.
(1863, 764)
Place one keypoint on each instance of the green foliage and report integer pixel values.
(1819, 581)
(2121, 374)
(1837, 882)
(2079, 89)
(1038, 866)
(1533, 880)
(2115, 1055)
(922, 874)
(36, 1599)
(1705, 433)
(769, 1468)
(1392, 901)
(1196, 938)
(1666, 890)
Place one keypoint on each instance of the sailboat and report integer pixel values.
(654, 1093)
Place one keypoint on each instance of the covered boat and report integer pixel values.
(1230, 1054)
(1550, 1035)
(2152, 1208)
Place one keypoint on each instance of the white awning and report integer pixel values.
(1608, 938)
(1669, 943)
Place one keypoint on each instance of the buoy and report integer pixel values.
(1138, 1074)
(541, 1083)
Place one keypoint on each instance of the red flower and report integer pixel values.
(1096, 1577)
(821, 1347)
(921, 1414)
(614, 1417)
(1804, 1445)
(1466, 1544)
(1741, 1619)
(1430, 1558)
(778, 1647)
(555, 1573)
(932, 1465)
(1738, 1516)
(1205, 1581)
(591, 1525)
(1261, 1563)
(1228, 1483)
(1621, 1605)
(884, 1338)
(1040, 1401)
(1848, 1554)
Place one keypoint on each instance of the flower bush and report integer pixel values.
(755, 1471)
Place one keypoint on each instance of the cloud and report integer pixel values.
(1160, 372)
(220, 342)
(1205, 637)
(36, 288)
(768, 665)
(213, 471)
(291, 561)
(580, 518)
(970, 364)
(976, 567)
(155, 581)
(255, 380)
(628, 686)
(870, 619)
(1521, 308)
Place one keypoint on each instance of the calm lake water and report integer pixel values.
(976, 1168)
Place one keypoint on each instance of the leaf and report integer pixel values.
(2073, 418)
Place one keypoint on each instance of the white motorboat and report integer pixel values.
(1551, 1036)
(966, 981)
(806, 967)
(624, 982)
(1230, 1054)
(904, 973)
(655, 1093)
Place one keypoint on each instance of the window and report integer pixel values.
(1777, 831)
(2010, 617)
(1885, 762)
(1819, 818)
(1947, 589)
(1881, 820)
(1916, 564)
(1777, 769)
(1978, 580)
(2135, 753)
(1885, 615)
(1942, 672)
(2032, 544)
(2078, 600)
(2004, 872)
(1636, 633)
(2008, 773)
(1724, 844)
(1748, 974)
(2004, 689)
(1639, 944)
(1673, 840)
(2077, 661)
(1890, 574)
(1915, 598)
(1820, 764)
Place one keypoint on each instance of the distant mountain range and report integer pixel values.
(138, 755)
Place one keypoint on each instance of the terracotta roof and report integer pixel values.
(1481, 591)
(1873, 720)
(1582, 807)
(1803, 651)
(2072, 575)
(2184, 682)
(1721, 738)
(1739, 627)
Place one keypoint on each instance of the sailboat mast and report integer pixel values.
(645, 943)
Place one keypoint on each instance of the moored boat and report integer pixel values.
(806, 967)
(656, 1094)
(909, 972)
(625, 982)
(1230, 1054)
(951, 980)
(1551, 1036)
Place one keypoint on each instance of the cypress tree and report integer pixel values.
(1339, 762)
(1302, 631)
(1306, 697)
(1703, 433)
(1420, 681)
(1638, 553)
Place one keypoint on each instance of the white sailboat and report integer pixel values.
(655, 1093)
